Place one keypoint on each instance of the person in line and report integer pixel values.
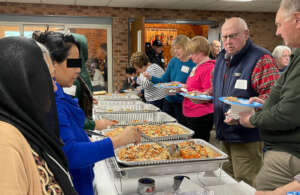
(215, 48)
(243, 70)
(31, 158)
(130, 81)
(153, 95)
(155, 53)
(80, 151)
(282, 55)
(199, 117)
(178, 70)
(293, 186)
(278, 120)
(98, 79)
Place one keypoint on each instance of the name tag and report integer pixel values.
(185, 69)
(193, 72)
(70, 90)
(236, 74)
(240, 84)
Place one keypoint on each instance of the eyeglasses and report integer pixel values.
(230, 36)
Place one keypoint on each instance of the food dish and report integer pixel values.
(239, 102)
(153, 152)
(99, 93)
(196, 96)
(170, 85)
(154, 130)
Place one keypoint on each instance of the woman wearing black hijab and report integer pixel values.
(31, 159)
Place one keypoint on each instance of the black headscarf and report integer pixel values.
(28, 103)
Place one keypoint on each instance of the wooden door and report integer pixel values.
(137, 35)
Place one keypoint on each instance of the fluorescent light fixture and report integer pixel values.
(237, 0)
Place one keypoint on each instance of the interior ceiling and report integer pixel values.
(254, 6)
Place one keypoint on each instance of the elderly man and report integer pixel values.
(278, 120)
(215, 48)
(282, 54)
(243, 69)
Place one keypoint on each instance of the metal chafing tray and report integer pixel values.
(137, 118)
(221, 154)
(188, 135)
(117, 97)
(121, 108)
(170, 168)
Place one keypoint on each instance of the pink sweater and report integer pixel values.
(199, 81)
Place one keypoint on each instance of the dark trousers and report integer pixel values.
(157, 103)
(201, 125)
(175, 110)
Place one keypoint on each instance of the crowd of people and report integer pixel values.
(45, 148)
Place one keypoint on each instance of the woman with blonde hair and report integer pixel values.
(199, 117)
(178, 70)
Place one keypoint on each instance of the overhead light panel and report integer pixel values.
(237, 0)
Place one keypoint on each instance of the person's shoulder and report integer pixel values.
(10, 135)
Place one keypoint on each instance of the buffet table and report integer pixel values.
(218, 181)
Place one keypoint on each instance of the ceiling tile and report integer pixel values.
(93, 2)
(63, 2)
(24, 1)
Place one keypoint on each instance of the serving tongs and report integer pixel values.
(173, 149)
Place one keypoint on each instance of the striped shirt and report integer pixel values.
(151, 93)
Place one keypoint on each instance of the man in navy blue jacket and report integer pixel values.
(243, 70)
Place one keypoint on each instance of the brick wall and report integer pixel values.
(261, 25)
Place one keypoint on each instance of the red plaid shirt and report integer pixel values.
(263, 77)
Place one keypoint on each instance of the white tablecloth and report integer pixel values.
(221, 185)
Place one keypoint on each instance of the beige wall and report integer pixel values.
(261, 25)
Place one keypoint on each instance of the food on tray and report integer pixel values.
(232, 99)
(153, 152)
(118, 110)
(99, 93)
(155, 130)
(193, 93)
(167, 84)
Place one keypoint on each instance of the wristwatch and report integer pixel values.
(297, 178)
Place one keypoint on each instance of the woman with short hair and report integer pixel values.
(178, 70)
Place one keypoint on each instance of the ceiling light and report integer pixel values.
(237, 0)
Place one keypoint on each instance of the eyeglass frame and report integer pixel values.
(230, 36)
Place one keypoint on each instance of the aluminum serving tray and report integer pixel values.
(137, 118)
(155, 162)
(188, 135)
(170, 168)
(102, 109)
(118, 103)
(117, 97)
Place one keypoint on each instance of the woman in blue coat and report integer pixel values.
(80, 151)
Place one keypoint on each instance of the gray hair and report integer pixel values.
(290, 6)
(241, 23)
(277, 52)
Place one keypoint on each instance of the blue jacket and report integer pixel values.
(241, 67)
(176, 71)
(80, 152)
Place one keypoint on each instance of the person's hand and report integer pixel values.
(104, 123)
(95, 101)
(258, 100)
(128, 135)
(278, 191)
(147, 75)
(245, 119)
(230, 118)
(231, 121)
